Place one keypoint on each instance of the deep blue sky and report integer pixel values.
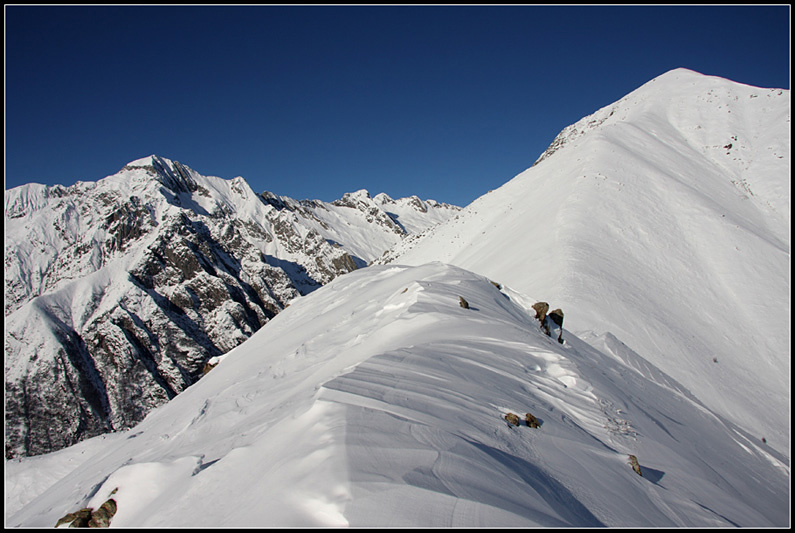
(312, 102)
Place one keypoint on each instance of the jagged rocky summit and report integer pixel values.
(117, 292)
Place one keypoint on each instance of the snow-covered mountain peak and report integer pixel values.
(357, 199)
(361, 194)
(27, 198)
(711, 115)
(662, 219)
(176, 178)
(383, 199)
(146, 162)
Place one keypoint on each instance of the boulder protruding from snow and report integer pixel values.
(77, 519)
(556, 316)
(87, 517)
(635, 465)
(101, 517)
(512, 419)
(541, 309)
(551, 323)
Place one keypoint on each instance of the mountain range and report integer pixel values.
(120, 291)
(658, 228)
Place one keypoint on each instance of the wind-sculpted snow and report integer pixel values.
(377, 401)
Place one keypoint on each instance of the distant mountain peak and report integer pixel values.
(142, 276)
(172, 174)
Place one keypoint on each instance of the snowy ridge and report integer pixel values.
(662, 220)
(385, 408)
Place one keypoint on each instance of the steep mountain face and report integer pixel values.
(366, 227)
(119, 291)
(661, 226)
(379, 401)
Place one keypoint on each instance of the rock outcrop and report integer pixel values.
(512, 419)
(87, 517)
(556, 316)
(541, 309)
(633, 461)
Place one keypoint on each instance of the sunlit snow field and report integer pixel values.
(379, 401)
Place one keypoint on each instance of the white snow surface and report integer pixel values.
(663, 222)
(378, 401)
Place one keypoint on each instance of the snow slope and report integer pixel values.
(662, 222)
(378, 401)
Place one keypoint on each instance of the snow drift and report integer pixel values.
(378, 401)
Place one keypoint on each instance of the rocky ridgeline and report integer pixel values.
(119, 291)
